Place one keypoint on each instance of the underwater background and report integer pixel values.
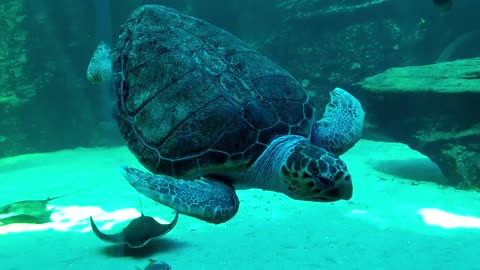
(414, 65)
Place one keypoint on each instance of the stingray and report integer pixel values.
(28, 211)
(138, 232)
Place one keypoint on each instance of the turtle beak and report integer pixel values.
(341, 190)
(344, 189)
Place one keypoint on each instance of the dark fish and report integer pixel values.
(154, 265)
(28, 211)
(138, 232)
(443, 5)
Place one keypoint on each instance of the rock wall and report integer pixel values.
(46, 103)
(15, 90)
(435, 110)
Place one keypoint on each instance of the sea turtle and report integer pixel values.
(206, 114)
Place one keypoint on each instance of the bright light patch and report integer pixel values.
(437, 217)
(377, 219)
(358, 211)
(77, 218)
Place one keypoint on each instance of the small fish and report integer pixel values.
(154, 265)
(443, 5)
(138, 232)
(28, 211)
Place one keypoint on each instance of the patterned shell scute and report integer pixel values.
(195, 100)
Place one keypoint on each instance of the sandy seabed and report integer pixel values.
(395, 220)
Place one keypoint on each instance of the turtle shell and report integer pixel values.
(194, 100)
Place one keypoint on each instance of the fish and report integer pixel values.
(154, 265)
(29, 211)
(138, 233)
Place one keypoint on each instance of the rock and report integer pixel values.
(16, 87)
(12, 50)
(313, 8)
(434, 109)
(14, 90)
(334, 43)
(45, 102)
(10, 99)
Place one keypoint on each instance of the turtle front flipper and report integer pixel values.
(100, 67)
(206, 199)
(341, 125)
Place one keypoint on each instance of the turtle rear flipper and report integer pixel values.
(206, 199)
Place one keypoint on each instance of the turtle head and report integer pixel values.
(100, 67)
(314, 174)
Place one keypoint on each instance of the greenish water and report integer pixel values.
(58, 135)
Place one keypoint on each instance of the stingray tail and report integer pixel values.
(65, 195)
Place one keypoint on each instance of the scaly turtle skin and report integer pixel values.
(206, 114)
